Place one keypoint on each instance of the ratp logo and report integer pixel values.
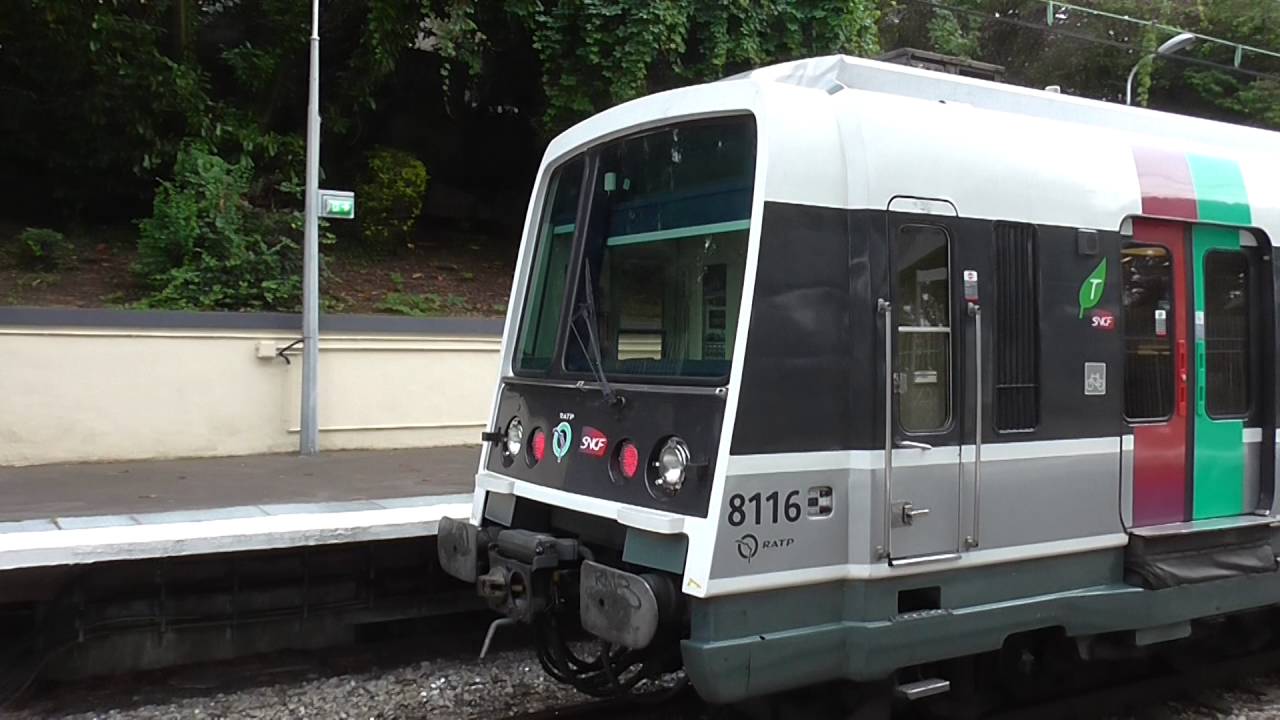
(593, 443)
(561, 439)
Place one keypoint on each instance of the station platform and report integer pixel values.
(52, 515)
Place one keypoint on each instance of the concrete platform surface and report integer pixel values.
(53, 515)
(43, 492)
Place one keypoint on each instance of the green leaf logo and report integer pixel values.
(1092, 287)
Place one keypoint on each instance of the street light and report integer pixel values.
(1170, 46)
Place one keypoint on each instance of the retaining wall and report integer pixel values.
(98, 385)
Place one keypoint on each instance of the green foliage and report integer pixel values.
(105, 94)
(596, 54)
(407, 303)
(100, 92)
(206, 246)
(403, 302)
(1146, 69)
(390, 198)
(1091, 54)
(41, 249)
(949, 37)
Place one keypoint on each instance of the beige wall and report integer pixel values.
(84, 394)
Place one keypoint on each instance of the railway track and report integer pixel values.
(371, 669)
(1187, 689)
(1189, 684)
(453, 638)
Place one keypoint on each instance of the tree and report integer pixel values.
(1090, 54)
(594, 54)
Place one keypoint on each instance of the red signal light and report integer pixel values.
(628, 459)
(538, 445)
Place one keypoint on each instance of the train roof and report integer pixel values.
(834, 73)
(850, 133)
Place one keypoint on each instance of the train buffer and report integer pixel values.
(60, 515)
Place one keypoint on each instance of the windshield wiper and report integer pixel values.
(586, 310)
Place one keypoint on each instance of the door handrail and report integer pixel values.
(975, 310)
(886, 308)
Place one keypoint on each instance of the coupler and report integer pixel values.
(523, 574)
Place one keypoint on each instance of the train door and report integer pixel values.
(1224, 369)
(1157, 382)
(1188, 371)
(923, 444)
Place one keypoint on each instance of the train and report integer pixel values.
(844, 372)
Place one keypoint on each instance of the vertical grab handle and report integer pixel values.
(1182, 378)
(1201, 379)
(886, 309)
(975, 311)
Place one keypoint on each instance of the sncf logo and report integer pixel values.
(594, 442)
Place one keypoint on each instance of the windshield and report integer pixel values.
(667, 267)
(664, 254)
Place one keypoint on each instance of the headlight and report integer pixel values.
(515, 437)
(673, 460)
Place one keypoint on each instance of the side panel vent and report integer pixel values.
(1017, 329)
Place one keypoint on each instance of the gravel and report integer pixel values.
(508, 683)
(1255, 698)
(504, 684)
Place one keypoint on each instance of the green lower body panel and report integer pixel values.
(1219, 469)
(756, 644)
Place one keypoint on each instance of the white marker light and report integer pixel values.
(515, 437)
(672, 461)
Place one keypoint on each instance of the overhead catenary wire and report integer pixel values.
(1062, 32)
(1240, 47)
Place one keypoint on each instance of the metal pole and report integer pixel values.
(308, 438)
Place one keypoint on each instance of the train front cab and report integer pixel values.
(607, 424)
(1078, 436)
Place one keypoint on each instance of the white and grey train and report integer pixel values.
(840, 371)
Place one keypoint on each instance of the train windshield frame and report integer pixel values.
(655, 276)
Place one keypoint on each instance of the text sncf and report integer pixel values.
(593, 443)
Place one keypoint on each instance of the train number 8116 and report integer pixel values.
(790, 508)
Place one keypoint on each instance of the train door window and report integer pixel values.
(922, 288)
(1226, 334)
(1148, 332)
(540, 320)
(1017, 329)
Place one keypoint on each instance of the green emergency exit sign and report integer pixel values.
(338, 204)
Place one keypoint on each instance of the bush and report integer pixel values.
(207, 247)
(42, 249)
(389, 199)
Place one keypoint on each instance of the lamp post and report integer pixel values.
(309, 430)
(1169, 47)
